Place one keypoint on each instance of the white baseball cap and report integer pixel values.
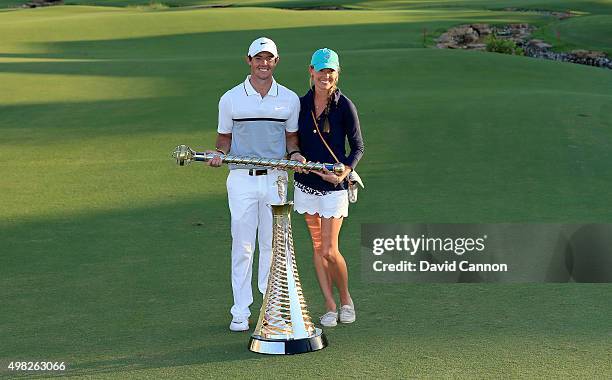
(262, 44)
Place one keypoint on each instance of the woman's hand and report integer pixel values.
(331, 177)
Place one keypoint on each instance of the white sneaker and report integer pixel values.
(329, 319)
(239, 324)
(347, 314)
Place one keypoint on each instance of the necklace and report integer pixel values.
(319, 107)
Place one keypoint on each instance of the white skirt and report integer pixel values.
(333, 204)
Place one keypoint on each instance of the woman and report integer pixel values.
(322, 196)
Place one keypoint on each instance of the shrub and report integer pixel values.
(152, 6)
(504, 46)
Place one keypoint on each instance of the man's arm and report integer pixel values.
(293, 149)
(224, 130)
(224, 142)
(293, 144)
(291, 134)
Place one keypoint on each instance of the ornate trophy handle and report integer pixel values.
(184, 154)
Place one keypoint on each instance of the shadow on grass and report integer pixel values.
(61, 122)
(231, 350)
(196, 46)
(146, 287)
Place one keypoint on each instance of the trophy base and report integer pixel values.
(288, 347)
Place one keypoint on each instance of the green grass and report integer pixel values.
(589, 6)
(577, 33)
(116, 261)
(591, 32)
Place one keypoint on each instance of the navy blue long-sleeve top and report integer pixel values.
(344, 125)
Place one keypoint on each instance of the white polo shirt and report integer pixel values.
(257, 124)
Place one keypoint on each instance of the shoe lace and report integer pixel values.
(329, 315)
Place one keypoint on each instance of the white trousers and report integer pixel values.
(249, 199)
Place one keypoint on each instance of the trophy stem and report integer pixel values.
(284, 326)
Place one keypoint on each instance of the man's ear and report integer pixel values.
(248, 60)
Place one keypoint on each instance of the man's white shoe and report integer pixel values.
(347, 314)
(239, 324)
(329, 319)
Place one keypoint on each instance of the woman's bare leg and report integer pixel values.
(321, 265)
(330, 230)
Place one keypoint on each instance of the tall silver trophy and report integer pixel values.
(284, 326)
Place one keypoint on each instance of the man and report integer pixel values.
(258, 117)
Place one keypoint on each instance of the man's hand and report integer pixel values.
(216, 161)
(224, 142)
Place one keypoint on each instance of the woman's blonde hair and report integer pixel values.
(332, 90)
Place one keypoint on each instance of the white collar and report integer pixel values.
(248, 87)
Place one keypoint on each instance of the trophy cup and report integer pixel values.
(284, 326)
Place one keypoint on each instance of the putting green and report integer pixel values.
(592, 31)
